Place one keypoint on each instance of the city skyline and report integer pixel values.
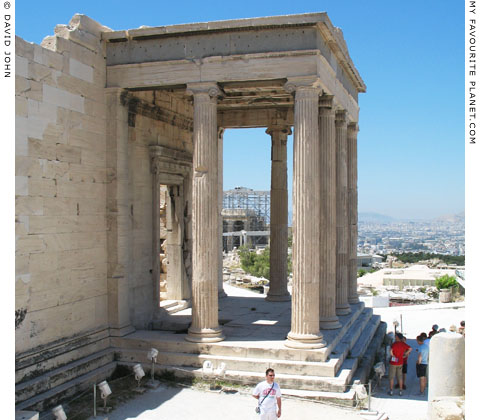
(411, 159)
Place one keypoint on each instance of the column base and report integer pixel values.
(343, 309)
(278, 298)
(121, 331)
(304, 341)
(222, 294)
(330, 323)
(205, 335)
(353, 300)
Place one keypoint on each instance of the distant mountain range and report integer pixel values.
(452, 218)
(370, 217)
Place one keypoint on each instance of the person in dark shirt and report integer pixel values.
(434, 331)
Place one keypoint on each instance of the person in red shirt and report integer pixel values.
(398, 352)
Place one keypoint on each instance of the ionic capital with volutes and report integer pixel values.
(285, 129)
(304, 85)
(340, 117)
(353, 129)
(204, 89)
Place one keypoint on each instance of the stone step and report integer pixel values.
(327, 369)
(357, 357)
(169, 303)
(353, 320)
(41, 360)
(348, 340)
(352, 325)
(173, 306)
(56, 377)
(368, 358)
(366, 337)
(304, 382)
(170, 342)
(67, 390)
(180, 306)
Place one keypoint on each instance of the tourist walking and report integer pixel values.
(269, 396)
(398, 352)
(422, 362)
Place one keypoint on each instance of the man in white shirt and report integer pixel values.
(269, 396)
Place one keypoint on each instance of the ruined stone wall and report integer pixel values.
(61, 253)
(145, 131)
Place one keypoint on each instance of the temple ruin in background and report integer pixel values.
(246, 218)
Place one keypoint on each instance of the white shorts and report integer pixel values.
(270, 414)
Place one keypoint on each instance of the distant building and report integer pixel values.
(368, 260)
(415, 275)
(246, 218)
(243, 227)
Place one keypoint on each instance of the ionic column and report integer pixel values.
(327, 217)
(342, 306)
(352, 211)
(305, 330)
(278, 291)
(204, 327)
(221, 292)
(155, 237)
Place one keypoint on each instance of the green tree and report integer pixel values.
(258, 265)
(446, 282)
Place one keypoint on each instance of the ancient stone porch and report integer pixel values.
(256, 331)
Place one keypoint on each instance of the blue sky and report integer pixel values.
(410, 54)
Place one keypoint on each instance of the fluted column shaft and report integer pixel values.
(327, 217)
(221, 292)
(352, 212)
(305, 331)
(204, 327)
(278, 215)
(156, 241)
(343, 308)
